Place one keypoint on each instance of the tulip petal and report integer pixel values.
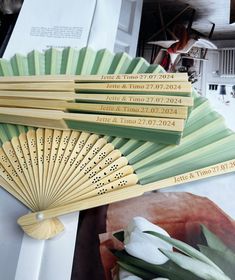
(199, 268)
(185, 248)
(142, 224)
(141, 246)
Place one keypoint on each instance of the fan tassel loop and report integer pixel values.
(42, 228)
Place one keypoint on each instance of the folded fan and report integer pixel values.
(55, 172)
(120, 104)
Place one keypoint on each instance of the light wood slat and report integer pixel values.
(127, 109)
(65, 86)
(7, 98)
(134, 98)
(158, 77)
(54, 118)
(133, 191)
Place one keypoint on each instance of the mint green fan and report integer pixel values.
(86, 61)
(54, 172)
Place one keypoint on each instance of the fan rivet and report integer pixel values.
(39, 216)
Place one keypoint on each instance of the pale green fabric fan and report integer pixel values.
(54, 172)
(80, 105)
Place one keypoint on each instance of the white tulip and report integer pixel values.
(145, 246)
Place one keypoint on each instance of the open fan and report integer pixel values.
(54, 172)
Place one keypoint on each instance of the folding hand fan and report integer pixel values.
(54, 172)
(138, 110)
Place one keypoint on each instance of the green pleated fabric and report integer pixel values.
(206, 140)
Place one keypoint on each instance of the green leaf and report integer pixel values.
(169, 269)
(216, 243)
(223, 260)
(197, 267)
(185, 248)
(119, 235)
(136, 271)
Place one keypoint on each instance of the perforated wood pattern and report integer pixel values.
(47, 168)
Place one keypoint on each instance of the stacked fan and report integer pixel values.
(151, 107)
(54, 172)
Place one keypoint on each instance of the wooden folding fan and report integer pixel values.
(54, 172)
(151, 107)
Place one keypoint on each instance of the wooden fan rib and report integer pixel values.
(6, 164)
(69, 149)
(59, 159)
(69, 156)
(160, 88)
(22, 162)
(25, 150)
(98, 182)
(110, 157)
(98, 76)
(35, 95)
(112, 163)
(67, 152)
(69, 170)
(73, 139)
(85, 204)
(48, 87)
(124, 182)
(92, 153)
(81, 162)
(13, 188)
(127, 181)
(32, 145)
(40, 153)
(48, 136)
(86, 166)
(18, 169)
(55, 142)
